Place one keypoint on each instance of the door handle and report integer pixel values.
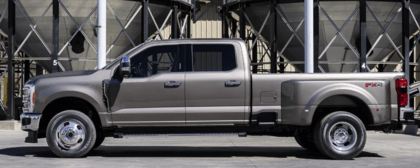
(233, 83)
(172, 84)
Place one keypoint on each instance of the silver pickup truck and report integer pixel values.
(205, 86)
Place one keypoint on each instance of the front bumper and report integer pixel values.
(30, 122)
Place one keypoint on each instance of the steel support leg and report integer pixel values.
(10, 63)
(254, 56)
(101, 33)
(174, 26)
(273, 39)
(362, 58)
(27, 70)
(406, 41)
(412, 67)
(144, 21)
(225, 27)
(188, 32)
(55, 28)
(309, 36)
(316, 35)
(242, 21)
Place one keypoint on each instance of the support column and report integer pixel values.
(406, 41)
(174, 26)
(55, 28)
(10, 63)
(188, 32)
(273, 39)
(309, 36)
(27, 67)
(316, 35)
(101, 33)
(144, 21)
(225, 27)
(362, 59)
(242, 21)
(255, 55)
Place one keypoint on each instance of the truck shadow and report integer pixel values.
(183, 151)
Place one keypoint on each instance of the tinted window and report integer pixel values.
(156, 60)
(213, 58)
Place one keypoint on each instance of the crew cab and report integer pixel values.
(203, 86)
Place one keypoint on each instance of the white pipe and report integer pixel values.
(101, 34)
(309, 36)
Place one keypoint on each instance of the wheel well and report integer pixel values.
(67, 103)
(343, 103)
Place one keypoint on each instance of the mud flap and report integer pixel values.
(32, 137)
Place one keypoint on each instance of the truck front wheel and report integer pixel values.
(340, 135)
(71, 134)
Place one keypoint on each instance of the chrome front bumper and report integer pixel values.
(30, 122)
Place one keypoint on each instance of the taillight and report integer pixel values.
(401, 86)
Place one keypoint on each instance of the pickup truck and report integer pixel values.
(205, 86)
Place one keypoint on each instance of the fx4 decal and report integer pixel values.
(373, 85)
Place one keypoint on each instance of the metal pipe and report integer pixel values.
(101, 33)
(309, 36)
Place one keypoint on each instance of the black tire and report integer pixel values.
(340, 135)
(71, 134)
(99, 140)
(306, 140)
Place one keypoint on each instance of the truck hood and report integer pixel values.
(61, 74)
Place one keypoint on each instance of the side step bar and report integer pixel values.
(240, 134)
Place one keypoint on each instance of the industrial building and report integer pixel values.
(50, 36)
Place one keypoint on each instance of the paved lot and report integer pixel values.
(382, 150)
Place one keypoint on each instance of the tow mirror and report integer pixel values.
(125, 67)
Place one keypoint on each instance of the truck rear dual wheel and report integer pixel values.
(71, 134)
(340, 135)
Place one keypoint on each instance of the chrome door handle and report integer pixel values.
(172, 84)
(233, 83)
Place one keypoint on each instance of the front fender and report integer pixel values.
(89, 94)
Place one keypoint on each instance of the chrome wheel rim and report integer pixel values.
(342, 136)
(70, 134)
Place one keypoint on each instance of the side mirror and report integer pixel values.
(125, 67)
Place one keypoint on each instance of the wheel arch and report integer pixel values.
(68, 103)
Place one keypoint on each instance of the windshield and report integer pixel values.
(118, 59)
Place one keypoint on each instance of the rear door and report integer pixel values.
(215, 85)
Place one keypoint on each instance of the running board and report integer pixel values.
(240, 134)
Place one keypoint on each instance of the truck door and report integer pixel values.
(215, 85)
(154, 94)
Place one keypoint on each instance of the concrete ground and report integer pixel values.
(382, 150)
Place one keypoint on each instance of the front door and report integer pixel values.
(154, 94)
(215, 86)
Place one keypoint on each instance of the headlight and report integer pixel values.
(28, 98)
